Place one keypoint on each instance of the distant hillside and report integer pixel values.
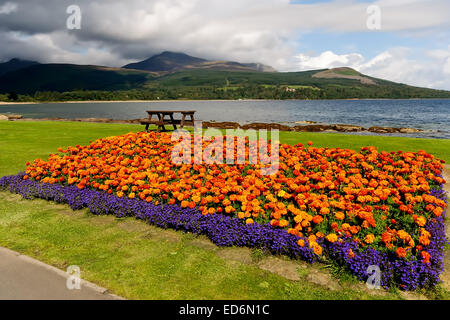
(344, 73)
(69, 77)
(174, 61)
(315, 78)
(180, 76)
(15, 64)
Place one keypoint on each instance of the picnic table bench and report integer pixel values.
(165, 117)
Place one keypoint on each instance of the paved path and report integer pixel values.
(24, 278)
(445, 276)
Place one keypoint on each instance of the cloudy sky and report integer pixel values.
(409, 43)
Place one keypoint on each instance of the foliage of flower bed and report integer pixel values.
(356, 208)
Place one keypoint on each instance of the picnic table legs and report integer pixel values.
(148, 124)
(182, 121)
(161, 124)
(183, 118)
(163, 120)
(173, 122)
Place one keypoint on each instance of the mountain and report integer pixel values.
(15, 64)
(167, 62)
(344, 73)
(69, 77)
(172, 75)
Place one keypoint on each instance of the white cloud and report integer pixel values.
(328, 59)
(8, 7)
(428, 68)
(447, 66)
(432, 70)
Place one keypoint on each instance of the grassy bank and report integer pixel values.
(139, 261)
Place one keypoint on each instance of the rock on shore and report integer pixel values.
(347, 128)
(393, 130)
(268, 126)
(10, 117)
(313, 128)
(220, 125)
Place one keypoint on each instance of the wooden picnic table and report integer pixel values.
(161, 119)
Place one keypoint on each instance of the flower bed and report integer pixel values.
(358, 209)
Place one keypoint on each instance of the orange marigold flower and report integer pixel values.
(369, 238)
(332, 237)
(312, 238)
(400, 252)
(421, 221)
(424, 240)
(317, 249)
(354, 229)
(339, 215)
(351, 254)
(426, 257)
(317, 219)
(184, 204)
(438, 211)
(283, 223)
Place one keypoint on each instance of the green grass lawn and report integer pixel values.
(437, 147)
(138, 261)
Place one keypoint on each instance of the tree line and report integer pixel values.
(232, 93)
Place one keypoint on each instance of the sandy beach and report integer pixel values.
(124, 101)
(2, 103)
(194, 100)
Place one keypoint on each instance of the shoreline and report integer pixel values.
(3, 103)
(126, 101)
(299, 126)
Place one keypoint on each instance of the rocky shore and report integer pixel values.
(302, 126)
(308, 127)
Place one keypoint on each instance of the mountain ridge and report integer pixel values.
(169, 61)
(15, 64)
(178, 75)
